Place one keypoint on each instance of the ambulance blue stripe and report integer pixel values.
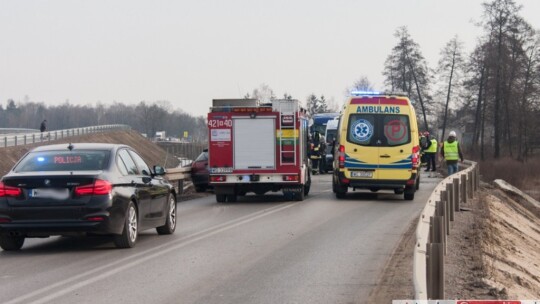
(389, 166)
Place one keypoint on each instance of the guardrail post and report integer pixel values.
(450, 200)
(440, 210)
(477, 175)
(25, 139)
(457, 196)
(464, 188)
(15, 140)
(444, 199)
(469, 185)
(5, 142)
(180, 187)
(435, 270)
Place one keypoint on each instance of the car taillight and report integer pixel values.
(291, 178)
(218, 178)
(95, 219)
(99, 187)
(341, 156)
(415, 157)
(8, 191)
(4, 220)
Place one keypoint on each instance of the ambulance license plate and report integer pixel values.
(368, 174)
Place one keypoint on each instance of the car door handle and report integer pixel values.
(385, 156)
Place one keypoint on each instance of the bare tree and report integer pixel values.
(450, 70)
(406, 70)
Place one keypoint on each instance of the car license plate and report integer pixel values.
(368, 174)
(58, 194)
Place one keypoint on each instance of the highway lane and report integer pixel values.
(258, 250)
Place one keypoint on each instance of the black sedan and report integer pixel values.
(80, 189)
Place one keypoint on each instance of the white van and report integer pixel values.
(330, 135)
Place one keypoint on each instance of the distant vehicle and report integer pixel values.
(320, 121)
(199, 172)
(331, 135)
(84, 188)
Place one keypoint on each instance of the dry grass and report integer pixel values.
(523, 175)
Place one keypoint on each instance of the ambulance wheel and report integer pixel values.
(221, 198)
(300, 195)
(232, 198)
(341, 191)
(408, 195)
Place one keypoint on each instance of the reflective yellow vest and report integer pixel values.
(451, 150)
(433, 147)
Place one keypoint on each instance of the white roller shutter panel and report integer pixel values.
(254, 143)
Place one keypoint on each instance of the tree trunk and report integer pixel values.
(448, 96)
(419, 96)
(478, 114)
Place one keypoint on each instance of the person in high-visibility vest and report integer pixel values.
(430, 152)
(451, 153)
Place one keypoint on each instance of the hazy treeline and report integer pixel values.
(491, 94)
(144, 117)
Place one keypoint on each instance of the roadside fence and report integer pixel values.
(20, 139)
(434, 227)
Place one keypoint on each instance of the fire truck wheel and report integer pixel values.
(220, 198)
(300, 195)
(232, 198)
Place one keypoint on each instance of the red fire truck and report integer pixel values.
(258, 147)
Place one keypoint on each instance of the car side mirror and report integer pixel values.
(158, 170)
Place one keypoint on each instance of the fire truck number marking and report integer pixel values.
(214, 123)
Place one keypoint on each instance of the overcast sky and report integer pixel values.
(189, 52)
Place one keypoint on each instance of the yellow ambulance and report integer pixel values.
(377, 145)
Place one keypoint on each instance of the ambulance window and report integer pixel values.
(396, 130)
(361, 129)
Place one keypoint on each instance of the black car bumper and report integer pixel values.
(100, 216)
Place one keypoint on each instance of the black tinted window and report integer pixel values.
(143, 167)
(378, 130)
(81, 160)
(128, 161)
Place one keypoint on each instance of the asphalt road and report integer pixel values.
(258, 250)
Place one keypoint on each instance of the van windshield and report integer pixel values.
(378, 130)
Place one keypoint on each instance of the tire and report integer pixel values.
(129, 235)
(408, 195)
(221, 198)
(11, 243)
(307, 186)
(341, 195)
(170, 223)
(232, 198)
(200, 188)
(301, 195)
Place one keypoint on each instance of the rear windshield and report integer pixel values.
(203, 156)
(81, 160)
(378, 130)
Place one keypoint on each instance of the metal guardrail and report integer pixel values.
(37, 137)
(177, 176)
(434, 227)
(17, 130)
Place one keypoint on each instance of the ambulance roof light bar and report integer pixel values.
(377, 93)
